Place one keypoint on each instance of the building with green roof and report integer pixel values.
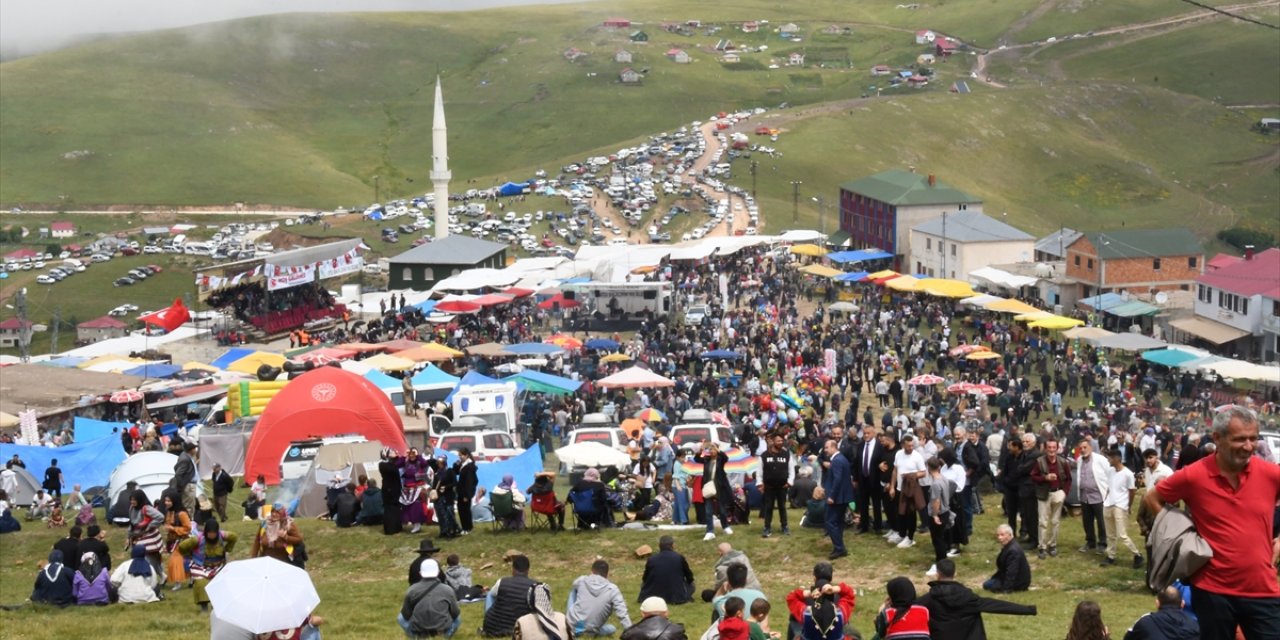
(879, 211)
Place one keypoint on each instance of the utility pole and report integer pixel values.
(822, 212)
(57, 324)
(754, 164)
(24, 327)
(944, 246)
(795, 200)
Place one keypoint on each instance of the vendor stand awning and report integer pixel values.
(1214, 332)
(1171, 357)
(1133, 308)
(863, 255)
(821, 271)
(1129, 342)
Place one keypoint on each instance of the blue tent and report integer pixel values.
(513, 188)
(601, 343)
(1106, 301)
(427, 306)
(861, 255)
(472, 378)
(391, 386)
(230, 356)
(153, 370)
(1169, 357)
(66, 361)
(856, 276)
(432, 376)
(721, 354)
(88, 464)
(544, 382)
(533, 349)
(87, 429)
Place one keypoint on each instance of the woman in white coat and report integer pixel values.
(136, 580)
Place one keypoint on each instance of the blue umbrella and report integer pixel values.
(153, 370)
(721, 354)
(533, 349)
(603, 344)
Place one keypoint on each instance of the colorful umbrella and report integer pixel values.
(965, 349)
(983, 355)
(564, 341)
(926, 380)
(650, 415)
(960, 387)
(740, 461)
(325, 356)
(125, 396)
(558, 301)
(632, 426)
(984, 389)
(457, 306)
(601, 344)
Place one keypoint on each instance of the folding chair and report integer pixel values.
(545, 511)
(506, 516)
(586, 513)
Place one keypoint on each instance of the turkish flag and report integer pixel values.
(169, 319)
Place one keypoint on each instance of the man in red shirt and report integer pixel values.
(1231, 496)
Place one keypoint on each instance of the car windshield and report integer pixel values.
(691, 435)
(597, 436)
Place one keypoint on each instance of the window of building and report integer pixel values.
(1091, 264)
(1244, 306)
(928, 244)
(1077, 261)
(1191, 262)
(406, 274)
(953, 248)
(964, 207)
(1275, 308)
(428, 274)
(1155, 264)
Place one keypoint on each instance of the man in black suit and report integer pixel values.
(223, 484)
(867, 457)
(667, 575)
(465, 470)
(967, 454)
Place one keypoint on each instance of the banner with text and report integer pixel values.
(285, 277)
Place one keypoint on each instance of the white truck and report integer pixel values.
(495, 404)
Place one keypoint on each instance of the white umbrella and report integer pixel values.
(262, 595)
(592, 454)
(846, 307)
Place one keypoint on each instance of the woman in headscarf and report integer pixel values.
(508, 487)
(90, 582)
(900, 617)
(415, 477)
(543, 623)
(277, 536)
(137, 580)
(257, 499)
(207, 554)
(823, 619)
(54, 584)
(144, 527)
(590, 485)
(177, 527)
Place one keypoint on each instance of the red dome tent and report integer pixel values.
(327, 401)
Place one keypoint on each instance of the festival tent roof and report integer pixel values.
(1129, 342)
(392, 346)
(54, 389)
(152, 470)
(855, 276)
(1104, 302)
(323, 402)
(821, 271)
(430, 352)
(1002, 278)
(154, 370)
(223, 361)
(133, 343)
(87, 464)
(1011, 306)
(1247, 370)
(539, 382)
(801, 235)
(946, 288)
(1087, 333)
(433, 384)
(981, 300)
(346, 459)
(808, 250)
(250, 363)
(108, 364)
(903, 283)
(65, 361)
(534, 348)
(474, 378)
(862, 255)
(635, 378)
(1172, 357)
(490, 350)
(387, 362)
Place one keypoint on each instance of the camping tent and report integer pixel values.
(513, 188)
(433, 384)
(323, 402)
(348, 459)
(392, 387)
(152, 470)
(87, 464)
(26, 490)
(223, 444)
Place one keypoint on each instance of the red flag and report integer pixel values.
(171, 318)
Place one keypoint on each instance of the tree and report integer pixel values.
(53, 248)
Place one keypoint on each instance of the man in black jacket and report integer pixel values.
(1013, 572)
(777, 472)
(867, 476)
(465, 473)
(70, 548)
(1168, 622)
(509, 600)
(955, 612)
(667, 575)
(223, 485)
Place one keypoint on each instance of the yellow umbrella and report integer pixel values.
(1056, 323)
(1032, 316)
(808, 250)
(903, 283)
(1011, 306)
(193, 365)
(387, 362)
(821, 271)
(946, 288)
(983, 355)
(250, 363)
(882, 274)
(616, 357)
(432, 352)
(8, 420)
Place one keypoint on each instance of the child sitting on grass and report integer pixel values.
(759, 622)
(56, 518)
(732, 626)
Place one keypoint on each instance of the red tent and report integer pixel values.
(558, 301)
(323, 402)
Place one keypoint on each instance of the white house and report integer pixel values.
(925, 36)
(730, 58)
(629, 76)
(954, 244)
(796, 59)
(1239, 304)
(679, 56)
(62, 229)
(622, 56)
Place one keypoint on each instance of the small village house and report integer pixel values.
(945, 47)
(102, 328)
(62, 229)
(789, 30)
(679, 56)
(1238, 304)
(955, 244)
(1135, 260)
(639, 36)
(623, 56)
(882, 70)
(11, 332)
(750, 26)
(795, 59)
(925, 36)
(730, 58)
(629, 76)
(617, 23)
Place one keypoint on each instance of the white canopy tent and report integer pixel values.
(1002, 278)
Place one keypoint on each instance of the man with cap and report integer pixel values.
(667, 574)
(223, 485)
(654, 624)
(430, 607)
(184, 473)
(426, 551)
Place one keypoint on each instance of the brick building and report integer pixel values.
(879, 211)
(1135, 260)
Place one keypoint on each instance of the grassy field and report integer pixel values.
(1067, 17)
(360, 575)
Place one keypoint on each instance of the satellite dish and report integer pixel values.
(1162, 298)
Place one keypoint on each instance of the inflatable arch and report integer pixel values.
(320, 403)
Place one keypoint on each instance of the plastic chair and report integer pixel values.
(586, 513)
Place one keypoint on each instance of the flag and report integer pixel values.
(171, 318)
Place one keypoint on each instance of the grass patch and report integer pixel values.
(1069, 17)
(1106, 186)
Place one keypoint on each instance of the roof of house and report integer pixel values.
(1144, 243)
(12, 323)
(22, 253)
(1057, 242)
(105, 322)
(453, 249)
(946, 44)
(63, 226)
(971, 226)
(905, 188)
(1257, 276)
(1222, 260)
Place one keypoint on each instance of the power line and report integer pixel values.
(1232, 15)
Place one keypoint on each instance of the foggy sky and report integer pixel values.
(34, 26)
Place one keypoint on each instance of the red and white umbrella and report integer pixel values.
(125, 396)
(926, 380)
(457, 306)
(966, 349)
(984, 389)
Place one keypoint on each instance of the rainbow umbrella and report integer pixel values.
(650, 415)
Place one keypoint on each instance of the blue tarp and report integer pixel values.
(513, 188)
(577, 280)
(66, 361)
(230, 356)
(861, 255)
(1169, 357)
(434, 376)
(721, 354)
(522, 467)
(86, 429)
(856, 276)
(153, 370)
(1109, 301)
(601, 343)
(566, 384)
(427, 306)
(533, 349)
(382, 380)
(88, 464)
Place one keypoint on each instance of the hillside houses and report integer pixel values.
(945, 47)
(925, 36)
(882, 70)
(731, 58)
(795, 59)
(750, 26)
(617, 23)
(1238, 303)
(880, 210)
(622, 56)
(679, 56)
(629, 76)
(1135, 260)
(789, 31)
(638, 36)
(62, 229)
